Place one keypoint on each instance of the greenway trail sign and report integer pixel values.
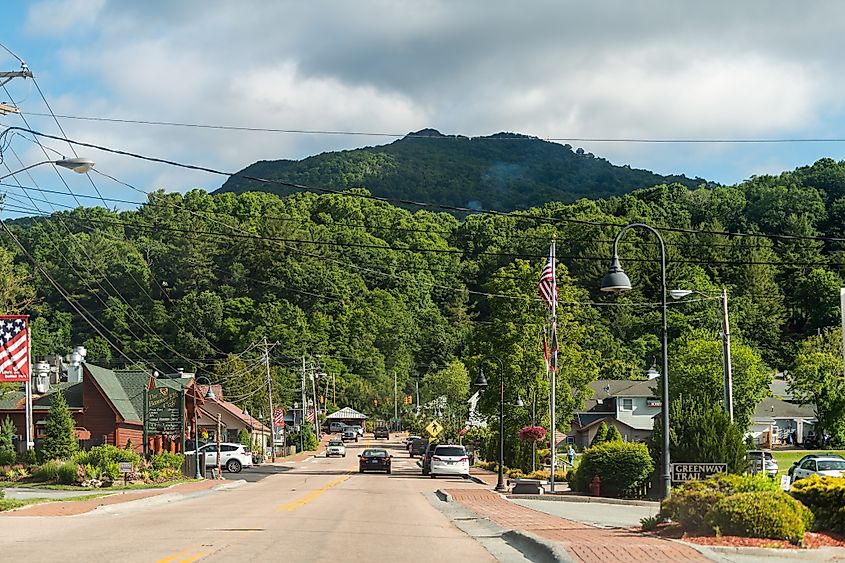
(164, 411)
(696, 471)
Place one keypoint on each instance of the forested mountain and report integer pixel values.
(503, 172)
(379, 291)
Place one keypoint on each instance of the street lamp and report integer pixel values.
(78, 165)
(726, 341)
(617, 280)
(208, 395)
(481, 382)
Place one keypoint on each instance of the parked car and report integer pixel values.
(358, 429)
(374, 460)
(349, 435)
(233, 457)
(418, 447)
(425, 462)
(829, 465)
(762, 461)
(449, 459)
(335, 427)
(809, 456)
(336, 447)
(381, 432)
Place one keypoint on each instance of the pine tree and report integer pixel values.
(601, 435)
(59, 434)
(243, 437)
(7, 448)
(613, 435)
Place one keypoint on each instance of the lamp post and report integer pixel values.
(617, 280)
(208, 395)
(81, 166)
(726, 342)
(481, 382)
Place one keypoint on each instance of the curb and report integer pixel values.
(580, 498)
(444, 496)
(820, 554)
(536, 548)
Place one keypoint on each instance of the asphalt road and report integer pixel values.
(317, 510)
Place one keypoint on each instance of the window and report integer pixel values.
(809, 464)
(627, 405)
(450, 451)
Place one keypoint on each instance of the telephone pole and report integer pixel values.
(726, 356)
(270, 401)
(302, 420)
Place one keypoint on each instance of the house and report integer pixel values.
(780, 420)
(630, 406)
(233, 419)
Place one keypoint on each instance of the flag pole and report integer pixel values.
(553, 439)
(30, 442)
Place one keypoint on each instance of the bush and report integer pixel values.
(601, 435)
(690, 502)
(105, 454)
(167, 460)
(774, 515)
(67, 473)
(7, 448)
(621, 466)
(825, 497)
(48, 471)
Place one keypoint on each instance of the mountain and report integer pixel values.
(505, 171)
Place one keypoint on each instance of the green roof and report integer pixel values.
(125, 390)
(73, 395)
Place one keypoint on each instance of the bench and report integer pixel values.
(527, 487)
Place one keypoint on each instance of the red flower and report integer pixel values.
(532, 433)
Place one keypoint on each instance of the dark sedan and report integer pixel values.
(381, 432)
(374, 460)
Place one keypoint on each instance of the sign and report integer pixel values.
(14, 348)
(785, 482)
(279, 417)
(434, 428)
(163, 411)
(696, 471)
(124, 466)
(653, 402)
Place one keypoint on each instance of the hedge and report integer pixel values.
(621, 466)
(825, 497)
(774, 515)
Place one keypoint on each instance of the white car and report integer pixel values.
(449, 459)
(336, 447)
(233, 457)
(831, 466)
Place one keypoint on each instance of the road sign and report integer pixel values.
(434, 428)
(696, 471)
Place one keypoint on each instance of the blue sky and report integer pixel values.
(610, 69)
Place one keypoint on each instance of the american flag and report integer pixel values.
(548, 287)
(279, 417)
(309, 416)
(553, 349)
(14, 348)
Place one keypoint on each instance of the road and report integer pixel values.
(318, 510)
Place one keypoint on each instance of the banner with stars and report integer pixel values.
(14, 348)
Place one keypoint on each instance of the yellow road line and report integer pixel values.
(189, 552)
(194, 557)
(303, 500)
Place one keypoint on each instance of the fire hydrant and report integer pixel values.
(595, 486)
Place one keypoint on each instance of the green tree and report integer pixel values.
(243, 437)
(60, 440)
(7, 448)
(600, 436)
(452, 385)
(613, 435)
(816, 379)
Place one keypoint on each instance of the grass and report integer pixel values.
(11, 504)
(785, 459)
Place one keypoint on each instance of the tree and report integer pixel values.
(7, 448)
(601, 435)
(613, 434)
(243, 437)
(816, 379)
(452, 384)
(60, 440)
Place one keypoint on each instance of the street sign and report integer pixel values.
(696, 471)
(124, 466)
(163, 411)
(434, 428)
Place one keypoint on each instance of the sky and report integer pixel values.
(341, 75)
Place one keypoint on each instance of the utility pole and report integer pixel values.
(270, 400)
(726, 357)
(395, 404)
(314, 394)
(219, 430)
(302, 421)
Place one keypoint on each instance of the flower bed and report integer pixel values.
(812, 540)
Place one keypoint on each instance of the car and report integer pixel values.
(349, 435)
(381, 432)
(335, 427)
(449, 459)
(425, 462)
(336, 447)
(762, 461)
(373, 459)
(828, 465)
(809, 456)
(418, 447)
(233, 457)
(409, 439)
(358, 429)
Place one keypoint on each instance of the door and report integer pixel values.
(805, 469)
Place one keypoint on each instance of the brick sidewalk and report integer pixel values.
(582, 542)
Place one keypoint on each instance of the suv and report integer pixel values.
(349, 434)
(381, 432)
(417, 447)
(426, 458)
(336, 447)
(233, 457)
(449, 459)
(762, 461)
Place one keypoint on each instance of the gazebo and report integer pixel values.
(347, 415)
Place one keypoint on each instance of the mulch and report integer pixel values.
(812, 540)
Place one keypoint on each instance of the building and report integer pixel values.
(630, 406)
(233, 419)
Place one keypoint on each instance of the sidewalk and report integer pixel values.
(582, 542)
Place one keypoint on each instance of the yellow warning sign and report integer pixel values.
(434, 428)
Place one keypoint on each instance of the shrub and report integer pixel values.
(243, 437)
(48, 471)
(105, 454)
(825, 497)
(621, 466)
(67, 473)
(7, 448)
(774, 515)
(60, 440)
(613, 435)
(601, 435)
(167, 460)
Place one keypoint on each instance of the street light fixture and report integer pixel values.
(617, 280)
(726, 341)
(78, 165)
(481, 382)
(209, 394)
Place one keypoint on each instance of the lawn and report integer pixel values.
(11, 504)
(785, 459)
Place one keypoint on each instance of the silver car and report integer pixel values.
(832, 466)
(762, 461)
